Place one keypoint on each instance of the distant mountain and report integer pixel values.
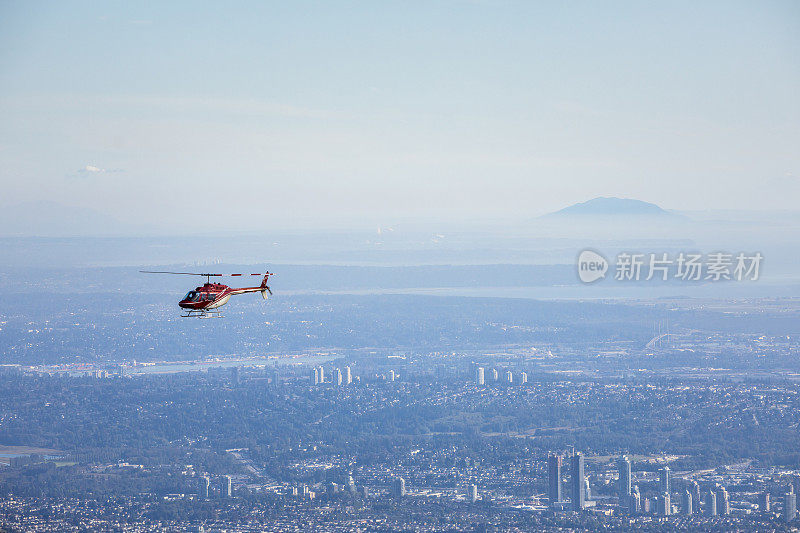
(52, 219)
(614, 207)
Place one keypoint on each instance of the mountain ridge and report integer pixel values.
(604, 206)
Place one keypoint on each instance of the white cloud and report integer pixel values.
(93, 169)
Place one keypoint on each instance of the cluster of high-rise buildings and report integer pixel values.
(349, 487)
(482, 377)
(225, 487)
(575, 493)
(716, 501)
(338, 376)
(578, 484)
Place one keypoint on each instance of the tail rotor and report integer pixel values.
(266, 292)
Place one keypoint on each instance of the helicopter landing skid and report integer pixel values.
(202, 313)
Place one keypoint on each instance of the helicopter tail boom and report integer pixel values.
(263, 288)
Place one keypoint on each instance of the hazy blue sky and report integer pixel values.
(240, 113)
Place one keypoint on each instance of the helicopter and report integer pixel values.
(205, 301)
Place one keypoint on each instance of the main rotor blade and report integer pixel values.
(183, 273)
(199, 274)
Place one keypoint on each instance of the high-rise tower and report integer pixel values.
(624, 465)
(665, 479)
(687, 503)
(577, 482)
(554, 478)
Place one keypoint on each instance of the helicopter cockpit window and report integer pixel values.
(192, 296)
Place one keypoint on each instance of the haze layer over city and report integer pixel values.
(399, 266)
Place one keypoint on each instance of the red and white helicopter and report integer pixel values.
(205, 301)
